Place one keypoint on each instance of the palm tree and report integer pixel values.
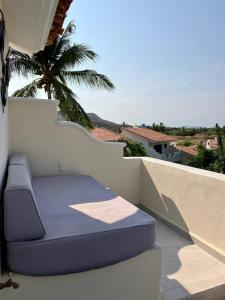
(53, 69)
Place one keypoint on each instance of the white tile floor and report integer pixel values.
(188, 272)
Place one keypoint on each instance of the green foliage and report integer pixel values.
(181, 131)
(159, 127)
(54, 68)
(211, 160)
(133, 148)
(185, 143)
(219, 165)
(204, 159)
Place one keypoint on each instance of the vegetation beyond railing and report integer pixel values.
(211, 160)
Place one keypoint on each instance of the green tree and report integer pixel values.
(133, 148)
(159, 127)
(162, 127)
(223, 130)
(211, 160)
(154, 126)
(219, 165)
(53, 69)
(204, 158)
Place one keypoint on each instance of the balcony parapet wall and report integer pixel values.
(58, 147)
(192, 200)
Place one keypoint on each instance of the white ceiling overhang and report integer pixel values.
(28, 23)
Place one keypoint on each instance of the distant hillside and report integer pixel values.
(98, 122)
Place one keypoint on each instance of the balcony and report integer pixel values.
(188, 272)
(188, 203)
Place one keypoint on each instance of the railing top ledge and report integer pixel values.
(184, 168)
(33, 100)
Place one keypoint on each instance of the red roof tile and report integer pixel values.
(192, 150)
(105, 134)
(150, 134)
(60, 14)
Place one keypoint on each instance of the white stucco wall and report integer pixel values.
(137, 278)
(29, 23)
(65, 148)
(191, 199)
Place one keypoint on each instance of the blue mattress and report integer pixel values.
(87, 226)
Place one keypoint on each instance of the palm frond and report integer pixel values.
(22, 64)
(70, 108)
(90, 78)
(61, 78)
(53, 66)
(53, 52)
(74, 55)
(29, 90)
(16, 54)
(61, 91)
(72, 111)
(69, 31)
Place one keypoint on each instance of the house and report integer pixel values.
(187, 153)
(187, 260)
(105, 134)
(212, 143)
(157, 144)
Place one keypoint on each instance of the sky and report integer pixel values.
(165, 57)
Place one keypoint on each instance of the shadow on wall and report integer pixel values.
(162, 205)
(170, 237)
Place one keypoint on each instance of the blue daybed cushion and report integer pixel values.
(20, 159)
(22, 220)
(87, 226)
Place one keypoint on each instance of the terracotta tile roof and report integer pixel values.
(105, 134)
(192, 150)
(150, 134)
(60, 14)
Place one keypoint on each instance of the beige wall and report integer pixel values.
(66, 148)
(192, 199)
(129, 280)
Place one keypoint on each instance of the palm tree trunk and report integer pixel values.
(48, 90)
(49, 94)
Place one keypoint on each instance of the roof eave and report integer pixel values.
(150, 140)
(57, 24)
